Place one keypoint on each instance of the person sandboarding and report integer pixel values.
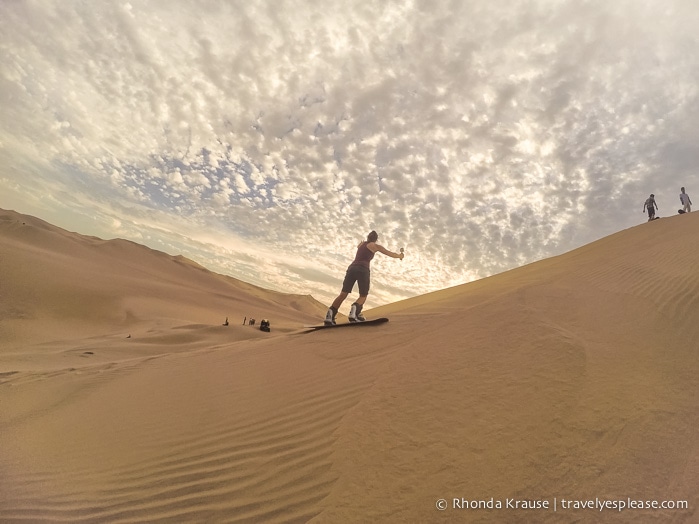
(651, 206)
(359, 272)
(686, 202)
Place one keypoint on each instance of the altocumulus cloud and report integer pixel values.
(266, 138)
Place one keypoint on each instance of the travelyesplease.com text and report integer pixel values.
(560, 504)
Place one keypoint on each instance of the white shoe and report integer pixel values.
(355, 314)
(329, 320)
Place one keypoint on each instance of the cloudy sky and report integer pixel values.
(266, 138)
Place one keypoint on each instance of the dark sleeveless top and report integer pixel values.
(363, 256)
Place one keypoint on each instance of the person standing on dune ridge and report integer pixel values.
(651, 205)
(686, 201)
(358, 271)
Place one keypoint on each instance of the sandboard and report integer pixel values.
(372, 322)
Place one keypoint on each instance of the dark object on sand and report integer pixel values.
(356, 324)
(264, 325)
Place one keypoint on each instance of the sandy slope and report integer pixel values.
(570, 378)
(60, 288)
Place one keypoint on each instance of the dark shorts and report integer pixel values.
(360, 275)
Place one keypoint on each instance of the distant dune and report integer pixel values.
(567, 382)
(59, 285)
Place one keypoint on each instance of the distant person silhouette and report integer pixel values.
(686, 201)
(651, 206)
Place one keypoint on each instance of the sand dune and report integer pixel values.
(60, 288)
(573, 378)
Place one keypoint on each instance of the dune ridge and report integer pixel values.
(573, 377)
(60, 285)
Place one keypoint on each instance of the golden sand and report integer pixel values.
(123, 398)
